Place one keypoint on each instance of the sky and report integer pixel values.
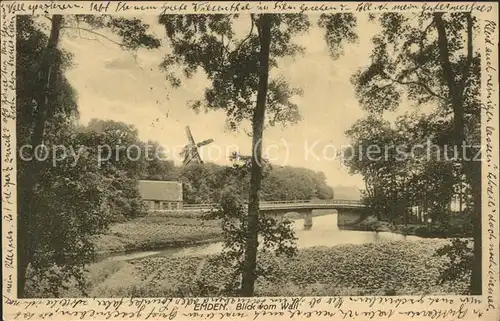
(115, 84)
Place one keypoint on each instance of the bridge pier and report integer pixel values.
(308, 220)
(347, 217)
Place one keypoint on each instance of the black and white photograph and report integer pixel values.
(230, 153)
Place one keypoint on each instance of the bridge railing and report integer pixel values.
(198, 206)
(286, 202)
(267, 203)
(348, 202)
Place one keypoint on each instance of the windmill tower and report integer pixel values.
(190, 151)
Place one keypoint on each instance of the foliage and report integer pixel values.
(403, 165)
(121, 159)
(61, 205)
(239, 72)
(289, 183)
(71, 204)
(131, 30)
(430, 60)
(406, 61)
(339, 29)
(30, 44)
(459, 266)
(205, 183)
(456, 225)
(276, 237)
(158, 167)
(202, 183)
(211, 43)
(69, 200)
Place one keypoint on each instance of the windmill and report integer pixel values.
(190, 151)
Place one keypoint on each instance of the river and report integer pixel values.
(324, 232)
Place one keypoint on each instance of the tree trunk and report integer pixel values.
(23, 250)
(248, 277)
(26, 231)
(455, 95)
(460, 200)
(474, 172)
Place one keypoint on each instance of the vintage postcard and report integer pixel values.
(250, 160)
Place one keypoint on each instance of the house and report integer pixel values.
(161, 195)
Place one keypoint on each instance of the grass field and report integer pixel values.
(390, 268)
(152, 232)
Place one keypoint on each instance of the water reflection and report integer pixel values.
(324, 232)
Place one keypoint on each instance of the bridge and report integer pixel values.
(348, 211)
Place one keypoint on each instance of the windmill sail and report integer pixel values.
(190, 151)
(205, 142)
(190, 136)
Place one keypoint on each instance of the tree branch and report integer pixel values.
(225, 46)
(247, 37)
(421, 47)
(415, 58)
(417, 83)
(423, 85)
(94, 33)
(424, 34)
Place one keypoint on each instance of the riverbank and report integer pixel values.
(171, 230)
(154, 232)
(456, 228)
(385, 268)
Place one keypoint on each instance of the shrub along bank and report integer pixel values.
(456, 227)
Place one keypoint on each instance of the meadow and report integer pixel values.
(151, 232)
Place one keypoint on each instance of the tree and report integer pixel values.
(322, 189)
(240, 84)
(121, 159)
(46, 110)
(202, 182)
(239, 74)
(292, 183)
(430, 59)
(158, 166)
(385, 176)
(397, 176)
(277, 236)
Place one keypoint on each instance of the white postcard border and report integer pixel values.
(485, 307)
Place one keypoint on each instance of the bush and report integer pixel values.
(458, 266)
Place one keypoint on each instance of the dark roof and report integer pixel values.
(160, 190)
